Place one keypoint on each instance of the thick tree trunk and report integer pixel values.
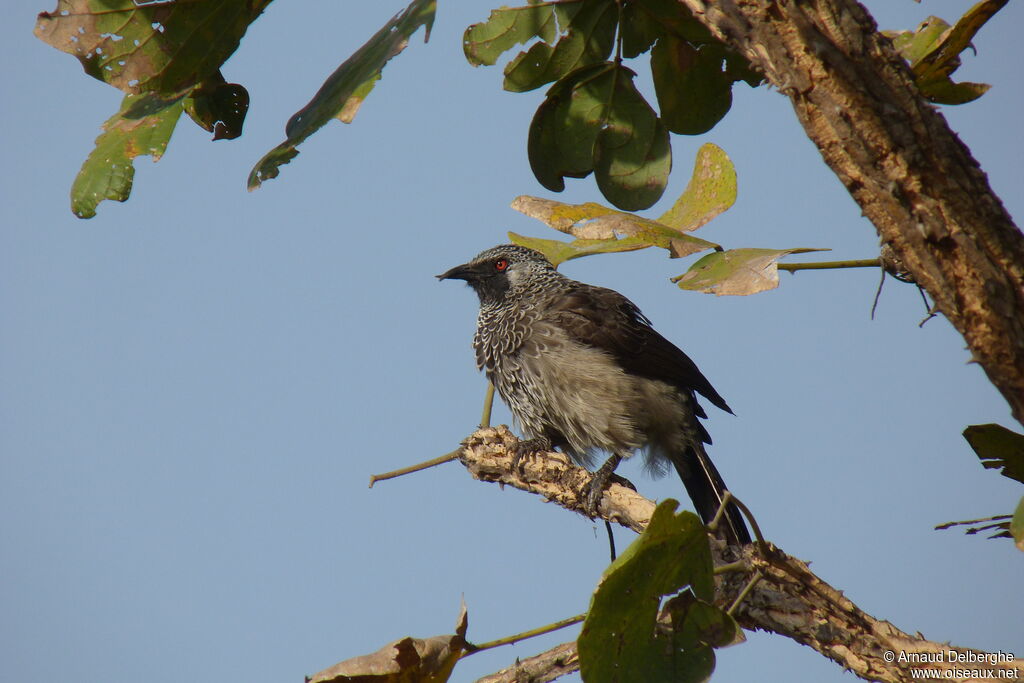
(911, 175)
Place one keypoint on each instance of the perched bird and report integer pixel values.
(582, 369)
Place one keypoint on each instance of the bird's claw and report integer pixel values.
(527, 448)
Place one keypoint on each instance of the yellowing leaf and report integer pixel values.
(711, 191)
(736, 272)
(599, 228)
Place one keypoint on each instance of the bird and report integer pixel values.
(583, 369)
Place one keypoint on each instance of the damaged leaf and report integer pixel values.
(933, 51)
(736, 272)
(998, 447)
(424, 660)
(109, 170)
(162, 47)
(344, 91)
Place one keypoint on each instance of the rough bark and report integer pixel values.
(547, 666)
(788, 599)
(911, 175)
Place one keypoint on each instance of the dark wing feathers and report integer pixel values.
(605, 319)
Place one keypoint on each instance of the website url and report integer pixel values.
(961, 674)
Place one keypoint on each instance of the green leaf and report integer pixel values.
(218, 107)
(564, 129)
(676, 19)
(736, 272)
(161, 47)
(621, 631)
(694, 93)
(698, 623)
(600, 228)
(710, 192)
(588, 40)
(933, 51)
(109, 170)
(344, 91)
(1017, 525)
(998, 447)
(632, 153)
(507, 27)
(639, 30)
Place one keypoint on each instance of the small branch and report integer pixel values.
(542, 668)
(788, 599)
(485, 420)
(823, 265)
(737, 566)
(762, 545)
(744, 593)
(440, 460)
(532, 633)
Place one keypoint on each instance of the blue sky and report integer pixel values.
(198, 383)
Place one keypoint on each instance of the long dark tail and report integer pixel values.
(706, 489)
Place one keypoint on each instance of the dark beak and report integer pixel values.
(463, 272)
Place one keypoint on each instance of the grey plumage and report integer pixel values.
(581, 368)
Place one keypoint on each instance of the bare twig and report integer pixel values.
(440, 460)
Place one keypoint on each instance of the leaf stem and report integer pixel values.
(508, 640)
(821, 265)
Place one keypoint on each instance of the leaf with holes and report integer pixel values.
(218, 107)
(165, 47)
(588, 40)
(344, 90)
(108, 171)
(507, 27)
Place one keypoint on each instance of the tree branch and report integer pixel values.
(910, 174)
(789, 599)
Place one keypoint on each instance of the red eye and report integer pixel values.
(500, 264)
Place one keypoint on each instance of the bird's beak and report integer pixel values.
(464, 272)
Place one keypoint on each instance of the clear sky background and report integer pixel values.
(198, 384)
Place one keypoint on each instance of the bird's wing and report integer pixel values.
(605, 319)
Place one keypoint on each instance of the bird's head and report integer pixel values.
(503, 270)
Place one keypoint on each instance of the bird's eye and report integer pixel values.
(501, 264)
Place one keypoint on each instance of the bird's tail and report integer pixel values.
(707, 490)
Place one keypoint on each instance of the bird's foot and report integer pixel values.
(528, 448)
(593, 491)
